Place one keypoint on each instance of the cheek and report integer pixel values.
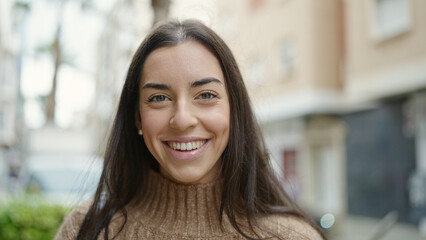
(218, 122)
(153, 122)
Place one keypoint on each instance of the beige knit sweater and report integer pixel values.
(173, 211)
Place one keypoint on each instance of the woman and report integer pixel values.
(185, 158)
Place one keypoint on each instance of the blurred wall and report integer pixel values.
(384, 59)
(285, 46)
(9, 95)
(386, 65)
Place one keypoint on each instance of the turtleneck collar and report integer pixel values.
(177, 209)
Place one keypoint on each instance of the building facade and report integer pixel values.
(291, 54)
(339, 88)
(386, 67)
(9, 96)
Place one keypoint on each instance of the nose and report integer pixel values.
(183, 116)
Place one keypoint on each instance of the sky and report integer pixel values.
(76, 83)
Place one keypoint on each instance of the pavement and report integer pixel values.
(363, 228)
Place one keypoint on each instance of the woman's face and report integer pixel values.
(184, 111)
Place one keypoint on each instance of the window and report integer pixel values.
(8, 77)
(286, 58)
(389, 18)
(2, 118)
(291, 184)
(3, 74)
(289, 165)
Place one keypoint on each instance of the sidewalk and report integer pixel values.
(363, 228)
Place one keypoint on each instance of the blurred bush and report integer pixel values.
(30, 220)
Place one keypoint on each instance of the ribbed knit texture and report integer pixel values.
(174, 211)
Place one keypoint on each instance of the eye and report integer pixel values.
(158, 98)
(207, 95)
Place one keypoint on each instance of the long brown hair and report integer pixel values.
(250, 188)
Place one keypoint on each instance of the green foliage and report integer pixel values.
(23, 219)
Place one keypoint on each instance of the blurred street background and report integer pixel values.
(338, 87)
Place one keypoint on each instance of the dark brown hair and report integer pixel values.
(250, 188)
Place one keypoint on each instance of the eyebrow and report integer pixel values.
(204, 81)
(158, 86)
(196, 83)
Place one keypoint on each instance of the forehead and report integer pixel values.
(190, 60)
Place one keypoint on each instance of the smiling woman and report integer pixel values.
(185, 158)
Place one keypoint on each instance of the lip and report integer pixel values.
(186, 155)
(185, 139)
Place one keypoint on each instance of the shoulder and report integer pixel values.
(291, 227)
(71, 225)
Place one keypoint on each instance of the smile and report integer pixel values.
(189, 149)
(186, 146)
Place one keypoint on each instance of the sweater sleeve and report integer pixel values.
(71, 225)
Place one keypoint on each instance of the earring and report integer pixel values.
(140, 132)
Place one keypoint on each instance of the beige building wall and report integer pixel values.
(384, 59)
(269, 35)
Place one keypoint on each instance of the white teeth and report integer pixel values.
(186, 146)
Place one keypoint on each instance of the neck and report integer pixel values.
(176, 208)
